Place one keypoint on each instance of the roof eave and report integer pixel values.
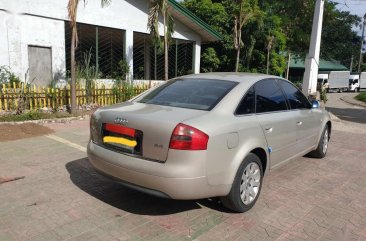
(207, 33)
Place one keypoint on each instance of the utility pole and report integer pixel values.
(312, 59)
(288, 66)
(351, 65)
(362, 43)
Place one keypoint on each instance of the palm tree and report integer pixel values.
(72, 9)
(157, 7)
(245, 12)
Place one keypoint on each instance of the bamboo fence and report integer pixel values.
(31, 97)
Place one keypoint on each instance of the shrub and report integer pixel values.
(361, 97)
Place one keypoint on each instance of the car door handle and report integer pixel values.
(268, 130)
(299, 123)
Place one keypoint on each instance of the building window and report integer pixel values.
(100, 46)
(148, 60)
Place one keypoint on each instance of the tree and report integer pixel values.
(72, 9)
(161, 7)
(245, 11)
(290, 23)
(339, 41)
(209, 60)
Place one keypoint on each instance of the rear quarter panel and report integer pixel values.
(223, 162)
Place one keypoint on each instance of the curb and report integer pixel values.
(47, 121)
(353, 102)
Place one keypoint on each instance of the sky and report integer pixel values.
(357, 7)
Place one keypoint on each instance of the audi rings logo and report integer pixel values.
(121, 121)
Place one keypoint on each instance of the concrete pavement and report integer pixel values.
(346, 111)
(63, 198)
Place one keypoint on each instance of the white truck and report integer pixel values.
(357, 82)
(334, 80)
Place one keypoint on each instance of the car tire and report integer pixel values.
(246, 186)
(322, 148)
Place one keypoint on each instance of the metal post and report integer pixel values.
(176, 57)
(362, 40)
(155, 64)
(312, 60)
(97, 49)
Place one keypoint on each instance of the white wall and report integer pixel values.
(4, 48)
(46, 33)
(120, 14)
(20, 31)
(47, 29)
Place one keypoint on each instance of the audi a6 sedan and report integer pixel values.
(207, 135)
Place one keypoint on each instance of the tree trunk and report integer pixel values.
(238, 50)
(73, 74)
(237, 60)
(166, 59)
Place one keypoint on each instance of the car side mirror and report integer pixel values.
(315, 104)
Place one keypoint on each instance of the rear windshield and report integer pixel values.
(199, 94)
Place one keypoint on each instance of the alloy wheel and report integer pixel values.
(250, 183)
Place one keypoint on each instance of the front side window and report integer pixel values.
(199, 94)
(247, 104)
(269, 96)
(295, 97)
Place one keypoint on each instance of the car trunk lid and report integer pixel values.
(142, 129)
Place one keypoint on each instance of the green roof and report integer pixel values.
(207, 33)
(324, 65)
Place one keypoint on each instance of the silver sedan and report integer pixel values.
(207, 135)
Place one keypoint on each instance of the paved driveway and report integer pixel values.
(62, 198)
(345, 111)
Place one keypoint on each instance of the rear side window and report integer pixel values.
(295, 97)
(199, 94)
(247, 104)
(269, 96)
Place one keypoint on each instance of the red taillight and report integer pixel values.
(185, 137)
(123, 130)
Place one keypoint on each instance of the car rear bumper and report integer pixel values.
(176, 178)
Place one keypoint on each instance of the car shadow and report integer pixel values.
(84, 176)
(349, 114)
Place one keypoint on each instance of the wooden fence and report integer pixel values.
(30, 97)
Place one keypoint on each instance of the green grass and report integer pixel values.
(361, 97)
(34, 115)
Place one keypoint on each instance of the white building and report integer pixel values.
(35, 39)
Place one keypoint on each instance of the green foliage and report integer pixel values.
(87, 73)
(209, 60)
(214, 13)
(339, 41)
(361, 97)
(7, 76)
(290, 24)
(33, 115)
(123, 69)
(159, 7)
(323, 95)
(123, 91)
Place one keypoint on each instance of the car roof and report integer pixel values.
(249, 78)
